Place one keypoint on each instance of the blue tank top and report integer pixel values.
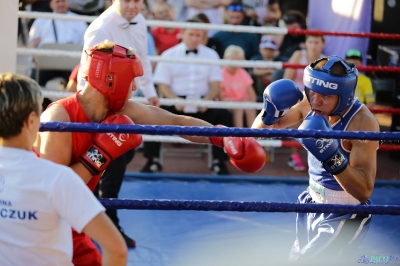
(315, 169)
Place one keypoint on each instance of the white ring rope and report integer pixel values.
(162, 23)
(166, 101)
(173, 139)
(238, 63)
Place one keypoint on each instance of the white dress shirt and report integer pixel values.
(68, 31)
(188, 79)
(111, 26)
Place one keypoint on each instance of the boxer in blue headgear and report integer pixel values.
(341, 171)
(321, 80)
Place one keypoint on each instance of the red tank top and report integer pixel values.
(80, 141)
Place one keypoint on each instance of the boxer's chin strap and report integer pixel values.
(341, 118)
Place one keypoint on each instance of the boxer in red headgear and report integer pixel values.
(110, 71)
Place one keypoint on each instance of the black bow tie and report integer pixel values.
(191, 51)
(126, 25)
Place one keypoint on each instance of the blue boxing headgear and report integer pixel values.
(322, 81)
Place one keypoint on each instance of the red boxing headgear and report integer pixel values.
(112, 73)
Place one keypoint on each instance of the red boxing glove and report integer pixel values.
(109, 146)
(245, 153)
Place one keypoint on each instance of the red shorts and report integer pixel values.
(85, 252)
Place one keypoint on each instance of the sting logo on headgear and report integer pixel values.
(112, 73)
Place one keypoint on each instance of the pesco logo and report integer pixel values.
(320, 82)
(323, 144)
(123, 137)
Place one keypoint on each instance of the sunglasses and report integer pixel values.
(235, 8)
(290, 18)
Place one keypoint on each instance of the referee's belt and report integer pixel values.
(321, 194)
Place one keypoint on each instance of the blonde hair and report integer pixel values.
(108, 47)
(232, 50)
(19, 96)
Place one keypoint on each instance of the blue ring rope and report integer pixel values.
(247, 206)
(213, 131)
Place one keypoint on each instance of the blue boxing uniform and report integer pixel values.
(323, 235)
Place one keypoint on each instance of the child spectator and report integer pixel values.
(262, 76)
(237, 86)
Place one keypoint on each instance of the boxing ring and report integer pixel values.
(173, 228)
(233, 238)
(232, 220)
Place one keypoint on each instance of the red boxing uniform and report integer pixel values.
(85, 252)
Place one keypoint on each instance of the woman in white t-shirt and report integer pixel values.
(39, 200)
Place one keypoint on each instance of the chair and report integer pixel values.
(62, 62)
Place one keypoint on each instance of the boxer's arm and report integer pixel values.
(359, 177)
(57, 146)
(149, 115)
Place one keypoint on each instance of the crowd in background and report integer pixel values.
(233, 83)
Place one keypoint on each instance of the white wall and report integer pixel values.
(8, 33)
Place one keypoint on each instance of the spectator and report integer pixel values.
(164, 38)
(47, 198)
(123, 24)
(314, 45)
(210, 42)
(290, 42)
(364, 90)
(237, 86)
(262, 76)
(151, 47)
(87, 7)
(46, 30)
(178, 8)
(269, 14)
(247, 41)
(212, 8)
(190, 81)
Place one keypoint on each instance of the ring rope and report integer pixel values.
(221, 62)
(247, 206)
(220, 27)
(213, 131)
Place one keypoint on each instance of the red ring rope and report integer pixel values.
(348, 34)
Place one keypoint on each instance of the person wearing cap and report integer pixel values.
(262, 76)
(341, 171)
(364, 90)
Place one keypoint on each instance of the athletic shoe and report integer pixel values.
(151, 167)
(130, 243)
(296, 163)
(219, 169)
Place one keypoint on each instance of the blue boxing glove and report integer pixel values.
(279, 97)
(325, 150)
